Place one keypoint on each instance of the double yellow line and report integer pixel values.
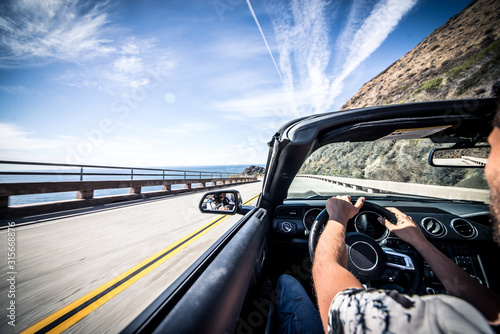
(79, 309)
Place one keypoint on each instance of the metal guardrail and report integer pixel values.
(475, 161)
(135, 178)
(163, 173)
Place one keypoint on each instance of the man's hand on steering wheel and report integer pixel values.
(341, 209)
(405, 228)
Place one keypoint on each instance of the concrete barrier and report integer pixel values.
(85, 192)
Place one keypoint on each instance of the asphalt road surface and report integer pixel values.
(66, 260)
(301, 185)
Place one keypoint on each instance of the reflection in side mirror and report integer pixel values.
(221, 202)
(471, 157)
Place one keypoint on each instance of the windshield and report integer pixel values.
(385, 167)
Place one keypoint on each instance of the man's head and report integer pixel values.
(492, 172)
(217, 198)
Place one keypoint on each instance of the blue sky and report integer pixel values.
(188, 82)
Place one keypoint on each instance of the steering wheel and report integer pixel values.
(366, 259)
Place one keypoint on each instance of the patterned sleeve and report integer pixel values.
(385, 311)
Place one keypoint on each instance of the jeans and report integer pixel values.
(296, 311)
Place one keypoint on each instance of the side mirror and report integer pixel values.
(465, 157)
(225, 202)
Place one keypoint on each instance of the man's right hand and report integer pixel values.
(455, 280)
(405, 228)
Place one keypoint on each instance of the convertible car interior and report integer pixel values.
(426, 159)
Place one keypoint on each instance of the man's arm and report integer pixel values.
(330, 260)
(455, 280)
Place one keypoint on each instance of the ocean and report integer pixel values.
(52, 197)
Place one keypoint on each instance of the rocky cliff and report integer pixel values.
(254, 171)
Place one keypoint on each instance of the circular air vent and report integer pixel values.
(464, 228)
(434, 227)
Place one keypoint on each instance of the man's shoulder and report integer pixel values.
(389, 310)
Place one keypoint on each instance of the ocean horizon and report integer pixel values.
(54, 197)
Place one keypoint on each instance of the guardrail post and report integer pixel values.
(135, 190)
(187, 186)
(166, 187)
(85, 194)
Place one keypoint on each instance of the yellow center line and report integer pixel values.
(79, 309)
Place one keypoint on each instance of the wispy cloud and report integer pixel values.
(356, 15)
(382, 20)
(136, 63)
(301, 31)
(236, 47)
(262, 105)
(16, 138)
(37, 32)
(307, 57)
(15, 89)
(264, 38)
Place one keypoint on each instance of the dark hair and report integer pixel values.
(496, 121)
(496, 93)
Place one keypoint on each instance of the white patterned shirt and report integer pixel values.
(384, 311)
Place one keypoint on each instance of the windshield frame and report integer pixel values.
(294, 142)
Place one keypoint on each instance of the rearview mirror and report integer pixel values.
(468, 157)
(221, 202)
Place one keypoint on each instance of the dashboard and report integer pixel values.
(461, 230)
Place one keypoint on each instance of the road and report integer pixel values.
(65, 258)
(301, 185)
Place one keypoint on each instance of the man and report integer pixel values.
(346, 307)
(216, 203)
(344, 304)
(452, 314)
(226, 202)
